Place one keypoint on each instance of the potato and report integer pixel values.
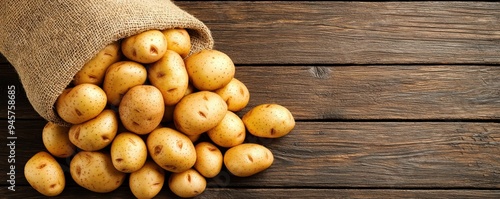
(94, 170)
(169, 75)
(178, 40)
(235, 94)
(95, 134)
(187, 184)
(199, 112)
(120, 77)
(128, 152)
(210, 69)
(229, 132)
(81, 103)
(141, 109)
(45, 174)
(94, 70)
(148, 181)
(56, 140)
(269, 121)
(208, 159)
(145, 47)
(171, 150)
(247, 159)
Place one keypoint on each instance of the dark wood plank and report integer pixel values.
(286, 32)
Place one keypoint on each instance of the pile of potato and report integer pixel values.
(138, 108)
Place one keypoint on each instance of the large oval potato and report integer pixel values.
(248, 159)
(128, 152)
(229, 132)
(96, 133)
(81, 103)
(145, 47)
(94, 170)
(178, 40)
(187, 184)
(235, 94)
(55, 138)
(94, 70)
(170, 149)
(148, 181)
(141, 109)
(269, 121)
(169, 75)
(120, 77)
(44, 174)
(208, 159)
(198, 112)
(210, 69)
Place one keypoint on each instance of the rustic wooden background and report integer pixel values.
(392, 99)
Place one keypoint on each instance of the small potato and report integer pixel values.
(81, 103)
(229, 132)
(210, 70)
(120, 77)
(95, 134)
(148, 181)
(178, 40)
(94, 171)
(141, 109)
(56, 140)
(94, 70)
(169, 75)
(235, 94)
(248, 159)
(198, 112)
(145, 47)
(187, 184)
(171, 150)
(45, 174)
(128, 152)
(208, 159)
(269, 121)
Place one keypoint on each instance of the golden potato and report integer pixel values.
(248, 159)
(235, 94)
(94, 170)
(81, 103)
(148, 181)
(210, 70)
(178, 40)
(120, 77)
(96, 133)
(187, 184)
(55, 138)
(169, 75)
(94, 70)
(229, 132)
(45, 174)
(208, 159)
(269, 121)
(198, 112)
(141, 109)
(171, 150)
(128, 152)
(145, 47)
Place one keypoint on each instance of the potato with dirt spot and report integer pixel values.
(208, 159)
(128, 152)
(269, 121)
(145, 47)
(55, 138)
(178, 40)
(235, 94)
(171, 149)
(94, 70)
(120, 77)
(141, 109)
(169, 75)
(148, 181)
(210, 70)
(44, 174)
(187, 184)
(95, 134)
(229, 132)
(81, 103)
(248, 159)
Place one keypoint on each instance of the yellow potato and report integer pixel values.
(45, 174)
(56, 140)
(208, 159)
(235, 94)
(96, 133)
(171, 150)
(229, 132)
(145, 47)
(198, 112)
(248, 159)
(269, 121)
(210, 69)
(94, 70)
(141, 109)
(148, 181)
(94, 170)
(128, 152)
(120, 77)
(169, 75)
(178, 40)
(187, 184)
(81, 103)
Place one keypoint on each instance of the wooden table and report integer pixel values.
(391, 99)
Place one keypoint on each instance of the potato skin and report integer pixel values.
(81, 103)
(235, 94)
(145, 47)
(208, 159)
(269, 121)
(187, 184)
(128, 152)
(171, 150)
(120, 77)
(56, 140)
(210, 70)
(141, 109)
(247, 159)
(148, 181)
(178, 40)
(93, 71)
(45, 174)
(229, 132)
(95, 134)
(169, 75)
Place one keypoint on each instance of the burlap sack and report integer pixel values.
(48, 41)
